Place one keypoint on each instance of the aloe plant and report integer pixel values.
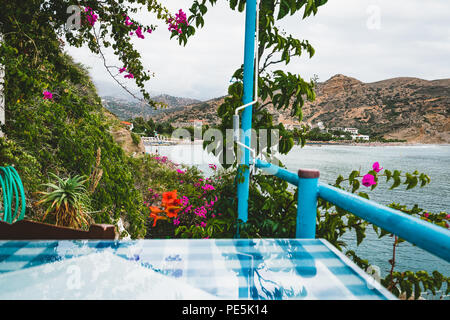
(68, 200)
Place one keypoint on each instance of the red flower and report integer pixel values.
(169, 198)
(154, 213)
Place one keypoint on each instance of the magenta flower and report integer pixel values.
(139, 33)
(213, 166)
(91, 17)
(48, 95)
(184, 200)
(127, 21)
(201, 212)
(180, 18)
(121, 70)
(376, 167)
(426, 214)
(368, 180)
(129, 76)
(203, 224)
(181, 171)
(208, 187)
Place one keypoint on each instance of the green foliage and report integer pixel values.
(285, 91)
(136, 138)
(316, 135)
(62, 135)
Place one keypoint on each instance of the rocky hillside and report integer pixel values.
(125, 109)
(410, 109)
(403, 108)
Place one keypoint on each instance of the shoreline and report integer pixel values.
(325, 143)
(373, 144)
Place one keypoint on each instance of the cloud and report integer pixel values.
(370, 40)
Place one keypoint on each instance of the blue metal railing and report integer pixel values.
(425, 235)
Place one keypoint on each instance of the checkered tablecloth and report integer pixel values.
(182, 269)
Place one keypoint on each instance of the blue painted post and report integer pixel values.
(249, 54)
(308, 192)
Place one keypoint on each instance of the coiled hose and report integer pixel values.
(12, 188)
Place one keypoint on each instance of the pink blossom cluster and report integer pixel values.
(129, 75)
(174, 24)
(90, 16)
(138, 31)
(47, 95)
(369, 180)
(127, 21)
(201, 211)
(184, 200)
(207, 187)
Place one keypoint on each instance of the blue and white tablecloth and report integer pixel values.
(182, 269)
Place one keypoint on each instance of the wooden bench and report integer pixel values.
(32, 230)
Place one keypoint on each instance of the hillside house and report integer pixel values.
(127, 125)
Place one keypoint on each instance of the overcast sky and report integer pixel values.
(370, 40)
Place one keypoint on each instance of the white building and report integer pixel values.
(353, 131)
(320, 125)
(360, 137)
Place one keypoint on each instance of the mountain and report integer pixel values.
(126, 109)
(409, 109)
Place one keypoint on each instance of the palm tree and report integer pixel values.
(68, 201)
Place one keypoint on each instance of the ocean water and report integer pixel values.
(433, 160)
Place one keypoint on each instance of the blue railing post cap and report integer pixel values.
(309, 173)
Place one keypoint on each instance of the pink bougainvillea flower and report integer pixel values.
(127, 21)
(48, 95)
(139, 33)
(213, 166)
(426, 214)
(376, 167)
(121, 70)
(208, 187)
(129, 76)
(368, 180)
(181, 171)
(184, 200)
(91, 17)
(180, 18)
(203, 224)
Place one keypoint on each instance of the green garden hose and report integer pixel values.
(12, 188)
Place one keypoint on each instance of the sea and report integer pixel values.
(332, 160)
